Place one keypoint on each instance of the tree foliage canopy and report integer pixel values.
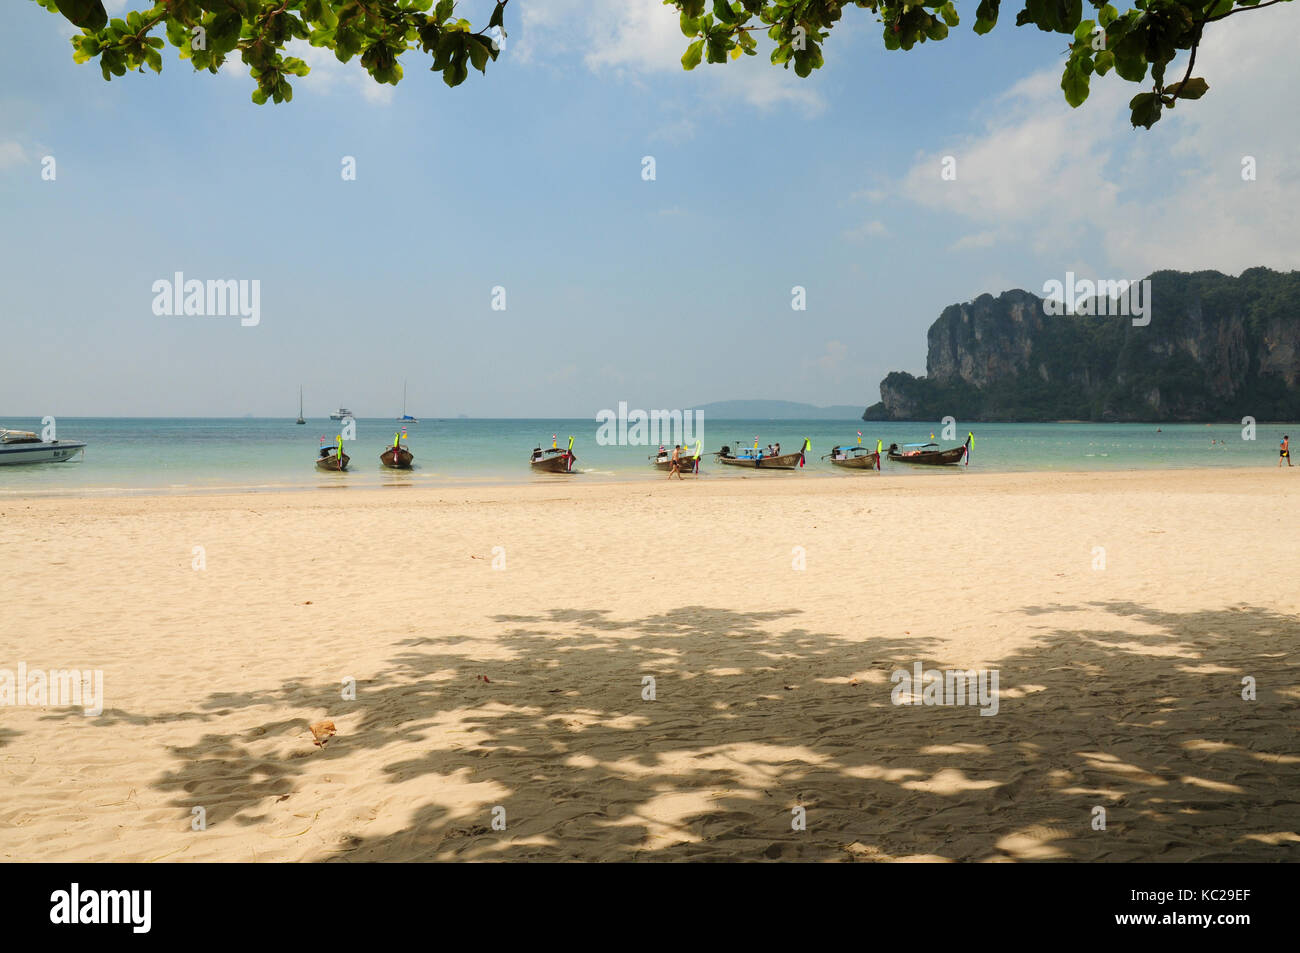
(1137, 44)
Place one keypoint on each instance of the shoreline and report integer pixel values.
(809, 475)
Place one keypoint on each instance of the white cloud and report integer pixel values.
(828, 366)
(11, 154)
(674, 131)
(985, 239)
(872, 229)
(1068, 183)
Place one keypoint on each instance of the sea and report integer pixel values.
(195, 455)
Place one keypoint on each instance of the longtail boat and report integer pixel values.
(854, 458)
(921, 453)
(690, 463)
(332, 458)
(553, 459)
(397, 457)
(329, 459)
(758, 459)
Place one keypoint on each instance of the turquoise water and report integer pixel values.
(191, 454)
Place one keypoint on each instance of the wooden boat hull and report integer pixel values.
(863, 461)
(786, 461)
(688, 466)
(332, 463)
(933, 458)
(398, 458)
(559, 463)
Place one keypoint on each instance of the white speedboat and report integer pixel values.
(341, 414)
(23, 446)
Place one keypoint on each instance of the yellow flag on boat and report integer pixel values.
(698, 445)
(878, 445)
(570, 441)
(970, 437)
(340, 453)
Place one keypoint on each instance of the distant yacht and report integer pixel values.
(300, 419)
(341, 414)
(406, 418)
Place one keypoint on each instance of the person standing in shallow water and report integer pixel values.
(1285, 452)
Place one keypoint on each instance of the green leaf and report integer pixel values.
(1193, 88)
(443, 10)
(498, 15)
(1145, 109)
(805, 61)
(1075, 82)
(259, 96)
(949, 14)
(478, 53)
(986, 16)
(694, 52)
(722, 10)
(89, 14)
(1130, 56)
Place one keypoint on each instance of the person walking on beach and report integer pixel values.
(677, 463)
(1285, 452)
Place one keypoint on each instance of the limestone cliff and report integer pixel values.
(1216, 347)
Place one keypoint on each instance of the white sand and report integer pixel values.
(1120, 687)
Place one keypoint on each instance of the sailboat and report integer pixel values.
(300, 419)
(406, 418)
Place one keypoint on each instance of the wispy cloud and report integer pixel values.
(829, 364)
(977, 240)
(872, 229)
(11, 154)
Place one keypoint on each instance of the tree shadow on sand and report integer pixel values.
(753, 717)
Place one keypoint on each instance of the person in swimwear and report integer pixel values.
(1285, 452)
(676, 466)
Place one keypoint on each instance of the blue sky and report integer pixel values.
(666, 293)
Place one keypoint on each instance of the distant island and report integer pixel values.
(775, 410)
(1215, 348)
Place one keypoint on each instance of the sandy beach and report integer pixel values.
(500, 639)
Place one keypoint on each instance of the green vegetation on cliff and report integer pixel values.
(1216, 348)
